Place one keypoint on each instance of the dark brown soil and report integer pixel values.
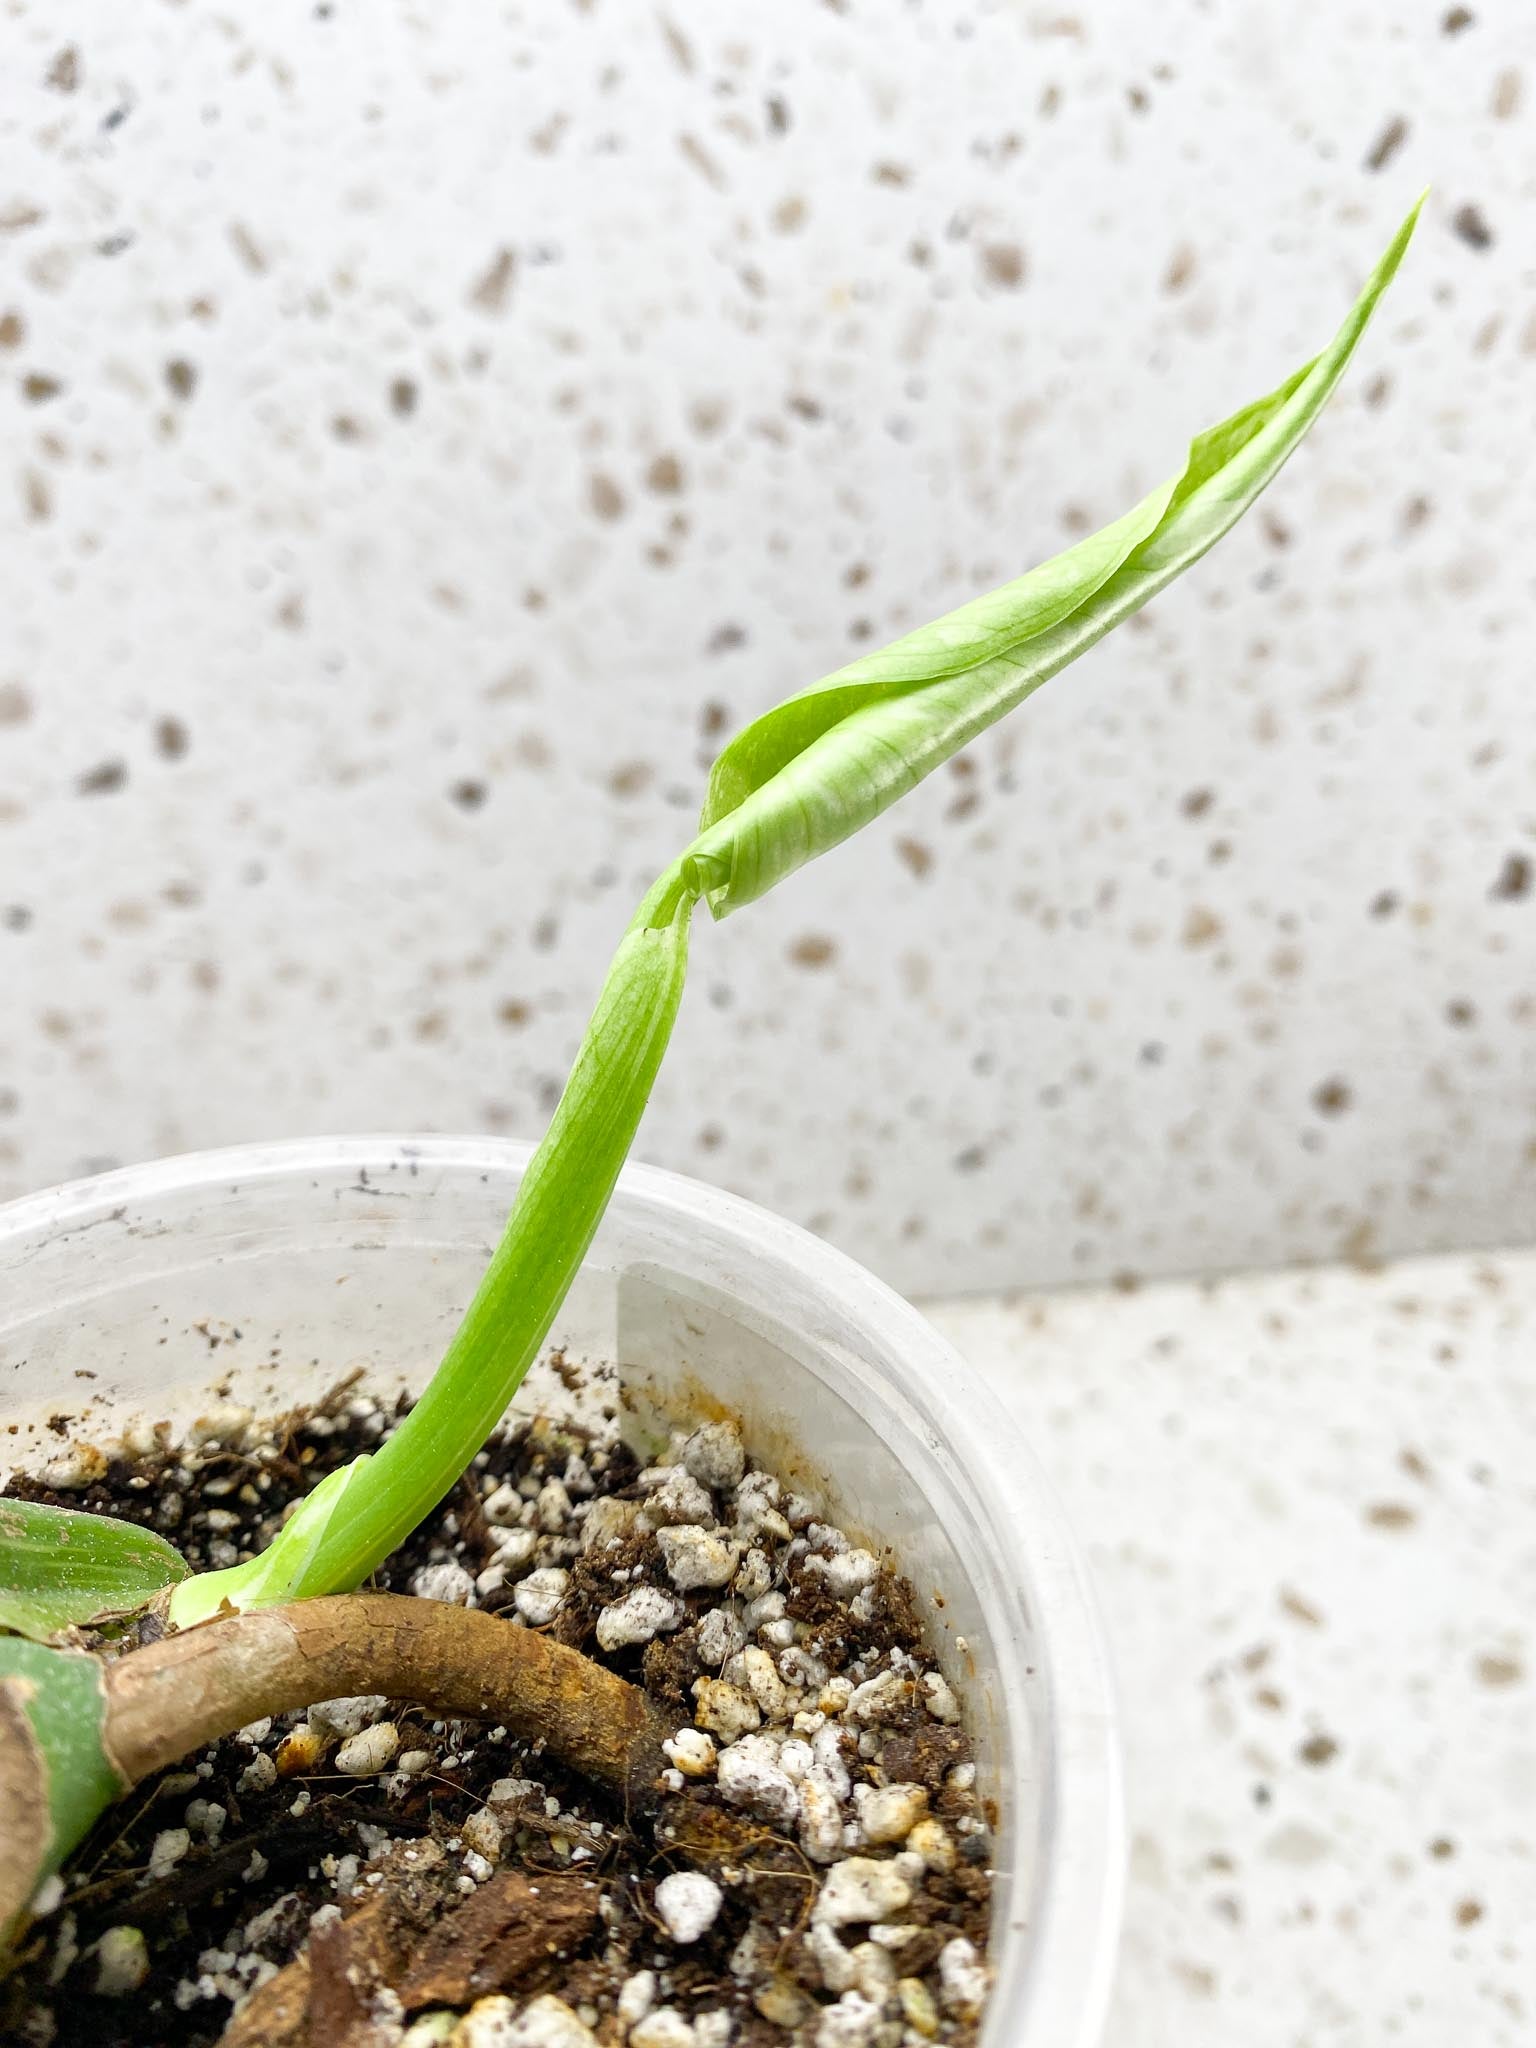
(331, 1908)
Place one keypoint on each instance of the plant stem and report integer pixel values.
(175, 1695)
(358, 1515)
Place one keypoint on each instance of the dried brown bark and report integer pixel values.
(173, 1696)
(510, 1926)
(329, 1995)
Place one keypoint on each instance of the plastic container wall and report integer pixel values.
(261, 1274)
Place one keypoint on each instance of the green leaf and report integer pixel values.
(59, 1567)
(56, 1776)
(814, 770)
(357, 1516)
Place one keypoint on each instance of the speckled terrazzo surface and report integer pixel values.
(1309, 1506)
(427, 431)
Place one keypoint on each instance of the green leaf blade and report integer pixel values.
(816, 769)
(60, 1568)
(977, 631)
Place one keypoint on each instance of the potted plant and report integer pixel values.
(723, 1654)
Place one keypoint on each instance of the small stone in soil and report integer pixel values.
(122, 1962)
(689, 1903)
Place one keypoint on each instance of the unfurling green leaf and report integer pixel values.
(810, 772)
(60, 1568)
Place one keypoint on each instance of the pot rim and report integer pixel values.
(1062, 1987)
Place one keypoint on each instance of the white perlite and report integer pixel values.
(637, 1994)
(724, 1709)
(798, 1668)
(122, 1962)
(835, 1695)
(784, 1739)
(796, 1759)
(749, 1775)
(539, 1596)
(691, 1752)
(78, 1466)
(206, 1817)
(448, 1582)
(721, 1636)
(939, 1699)
(714, 1456)
(547, 2022)
(553, 1506)
(765, 1684)
(348, 1716)
(821, 1818)
(831, 1959)
(757, 1505)
(931, 1840)
(643, 1613)
(917, 2006)
(827, 1748)
(851, 2023)
(482, 1834)
(372, 1751)
(755, 1576)
(689, 1903)
(889, 1813)
(259, 1775)
(962, 1979)
(678, 1498)
(696, 1557)
(167, 1850)
(431, 2030)
(762, 1612)
(48, 1897)
(664, 2028)
(861, 1889)
(607, 1521)
(487, 2024)
(879, 1700)
(873, 1971)
(846, 1572)
(782, 2003)
(515, 1548)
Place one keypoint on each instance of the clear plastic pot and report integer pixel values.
(256, 1275)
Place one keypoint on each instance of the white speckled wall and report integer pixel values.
(427, 430)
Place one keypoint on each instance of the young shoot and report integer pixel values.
(792, 785)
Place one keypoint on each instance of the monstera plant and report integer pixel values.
(82, 1717)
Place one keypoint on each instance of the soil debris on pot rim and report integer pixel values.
(362, 1875)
